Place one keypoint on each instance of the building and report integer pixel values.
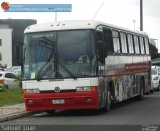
(11, 35)
(6, 47)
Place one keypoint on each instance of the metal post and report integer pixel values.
(141, 15)
(134, 22)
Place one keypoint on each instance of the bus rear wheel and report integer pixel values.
(140, 96)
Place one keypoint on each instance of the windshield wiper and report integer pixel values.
(64, 67)
(57, 73)
(49, 44)
(42, 68)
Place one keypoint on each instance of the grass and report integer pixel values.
(11, 97)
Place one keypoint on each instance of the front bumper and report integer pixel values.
(73, 100)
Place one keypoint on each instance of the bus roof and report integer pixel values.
(73, 24)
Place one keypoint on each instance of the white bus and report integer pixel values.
(83, 65)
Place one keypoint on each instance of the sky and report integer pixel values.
(123, 13)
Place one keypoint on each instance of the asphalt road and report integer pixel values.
(132, 112)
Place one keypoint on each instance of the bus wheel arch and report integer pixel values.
(142, 88)
(109, 97)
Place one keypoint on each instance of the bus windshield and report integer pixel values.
(60, 54)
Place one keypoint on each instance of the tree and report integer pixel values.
(18, 80)
(153, 51)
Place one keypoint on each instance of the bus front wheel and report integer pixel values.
(108, 102)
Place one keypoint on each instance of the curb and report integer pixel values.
(15, 116)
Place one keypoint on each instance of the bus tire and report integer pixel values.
(50, 112)
(140, 96)
(108, 102)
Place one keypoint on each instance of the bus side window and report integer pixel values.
(136, 44)
(130, 44)
(123, 42)
(146, 45)
(142, 45)
(116, 41)
(108, 40)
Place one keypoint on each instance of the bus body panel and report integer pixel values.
(130, 65)
(64, 84)
(72, 99)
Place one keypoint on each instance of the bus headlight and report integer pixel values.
(86, 88)
(32, 91)
(82, 89)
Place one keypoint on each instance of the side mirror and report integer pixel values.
(19, 54)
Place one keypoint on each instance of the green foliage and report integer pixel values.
(12, 96)
(153, 51)
(3, 87)
(18, 80)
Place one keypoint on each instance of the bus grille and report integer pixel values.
(62, 91)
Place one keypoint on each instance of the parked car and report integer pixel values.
(155, 78)
(8, 78)
(16, 70)
(1, 69)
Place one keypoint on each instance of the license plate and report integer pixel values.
(58, 101)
